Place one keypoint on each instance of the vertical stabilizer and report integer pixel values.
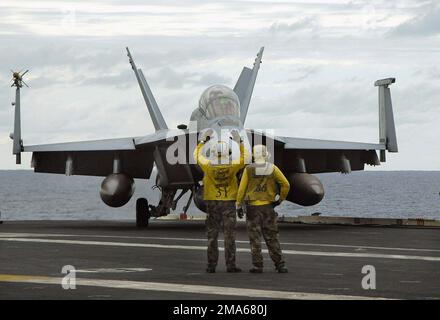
(245, 85)
(155, 114)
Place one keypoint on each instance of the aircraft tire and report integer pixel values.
(142, 213)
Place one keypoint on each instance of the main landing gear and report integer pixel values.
(142, 213)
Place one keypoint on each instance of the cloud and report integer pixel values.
(424, 25)
(173, 79)
(303, 24)
(302, 73)
(211, 78)
(316, 79)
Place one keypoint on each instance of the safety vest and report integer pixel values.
(262, 185)
(220, 181)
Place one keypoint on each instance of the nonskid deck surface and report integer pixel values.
(114, 260)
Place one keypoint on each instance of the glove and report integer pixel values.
(276, 203)
(205, 135)
(236, 135)
(240, 211)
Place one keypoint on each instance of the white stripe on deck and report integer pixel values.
(184, 288)
(182, 247)
(19, 235)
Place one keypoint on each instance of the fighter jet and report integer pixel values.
(119, 161)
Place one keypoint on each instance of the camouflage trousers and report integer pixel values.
(262, 220)
(221, 215)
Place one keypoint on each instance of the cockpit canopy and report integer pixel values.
(218, 101)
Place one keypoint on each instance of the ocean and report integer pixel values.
(25, 195)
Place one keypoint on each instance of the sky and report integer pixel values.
(320, 62)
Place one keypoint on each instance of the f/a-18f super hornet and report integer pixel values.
(220, 108)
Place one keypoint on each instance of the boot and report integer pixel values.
(210, 269)
(256, 270)
(233, 269)
(282, 269)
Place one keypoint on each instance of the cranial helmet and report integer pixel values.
(260, 153)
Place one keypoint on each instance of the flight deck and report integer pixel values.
(115, 260)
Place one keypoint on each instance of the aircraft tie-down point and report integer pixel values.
(148, 157)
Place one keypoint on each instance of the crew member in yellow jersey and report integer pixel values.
(220, 186)
(260, 184)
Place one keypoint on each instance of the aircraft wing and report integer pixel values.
(317, 144)
(94, 145)
(133, 156)
(317, 156)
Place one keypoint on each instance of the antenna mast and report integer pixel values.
(17, 82)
